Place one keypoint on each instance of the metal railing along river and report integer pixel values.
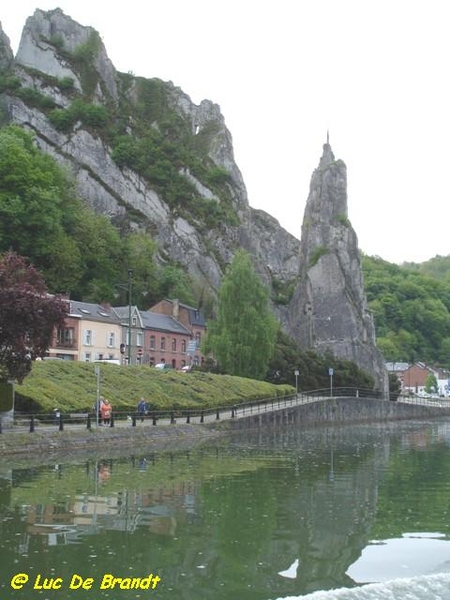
(61, 420)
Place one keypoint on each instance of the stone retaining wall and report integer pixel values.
(58, 444)
(53, 444)
(340, 410)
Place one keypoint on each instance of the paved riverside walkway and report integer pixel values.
(162, 418)
(73, 422)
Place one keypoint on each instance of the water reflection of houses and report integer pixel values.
(162, 511)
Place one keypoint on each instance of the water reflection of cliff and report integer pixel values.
(326, 501)
(281, 513)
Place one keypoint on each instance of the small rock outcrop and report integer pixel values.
(47, 32)
(329, 309)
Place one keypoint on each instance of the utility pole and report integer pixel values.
(130, 285)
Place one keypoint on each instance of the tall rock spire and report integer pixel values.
(329, 309)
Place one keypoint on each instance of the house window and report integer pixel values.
(133, 321)
(163, 343)
(152, 342)
(174, 344)
(66, 336)
(183, 346)
(198, 338)
(87, 356)
(88, 337)
(111, 339)
(139, 338)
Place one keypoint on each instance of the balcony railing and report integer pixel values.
(66, 344)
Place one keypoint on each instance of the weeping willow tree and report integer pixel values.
(242, 338)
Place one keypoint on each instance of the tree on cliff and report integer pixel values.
(242, 338)
(28, 316)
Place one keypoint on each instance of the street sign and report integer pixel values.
(140, 352)
(330, 372)
(192, 347)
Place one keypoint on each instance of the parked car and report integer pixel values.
(163, 366)
(105, 361)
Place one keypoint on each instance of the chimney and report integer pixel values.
(175, 309)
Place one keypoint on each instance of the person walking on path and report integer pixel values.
(142, 409)
(106, 410)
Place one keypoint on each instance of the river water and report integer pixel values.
(356, 512)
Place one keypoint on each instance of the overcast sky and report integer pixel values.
(373, 73)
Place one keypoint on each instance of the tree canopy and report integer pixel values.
(313, 368)
(411, 311)
(77, 250)
(28, 316)
(242, 338)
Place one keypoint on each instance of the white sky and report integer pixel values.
(375, 73)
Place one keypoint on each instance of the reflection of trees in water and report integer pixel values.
(5, 491)
(244, 511)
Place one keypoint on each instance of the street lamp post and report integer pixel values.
(129, 288)
(97, 402)
(130, 284)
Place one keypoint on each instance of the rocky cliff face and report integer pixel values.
(55, 50)
(329, 308)
(61, 63)
(6, 55)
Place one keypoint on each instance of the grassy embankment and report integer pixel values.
(72, 387)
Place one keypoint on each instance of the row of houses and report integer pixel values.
(169, 332)
(413, 377)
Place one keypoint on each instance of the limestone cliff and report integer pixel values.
(60, 63)
(187, 193)
(6, 55)
(329, 309)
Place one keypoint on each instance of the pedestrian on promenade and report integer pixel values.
(142, 409)
(106, 409)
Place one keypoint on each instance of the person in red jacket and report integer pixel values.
(106, 409)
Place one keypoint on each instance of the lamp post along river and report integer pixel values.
(129, 287)
(130, 284)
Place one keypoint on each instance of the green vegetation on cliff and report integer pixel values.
(79, 251)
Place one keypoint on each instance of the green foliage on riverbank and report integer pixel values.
(72, 387)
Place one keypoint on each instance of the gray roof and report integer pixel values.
(117, 314)
(93, 312)
(397, 366)
(196, 316)
(123, 313)
(159, 322)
